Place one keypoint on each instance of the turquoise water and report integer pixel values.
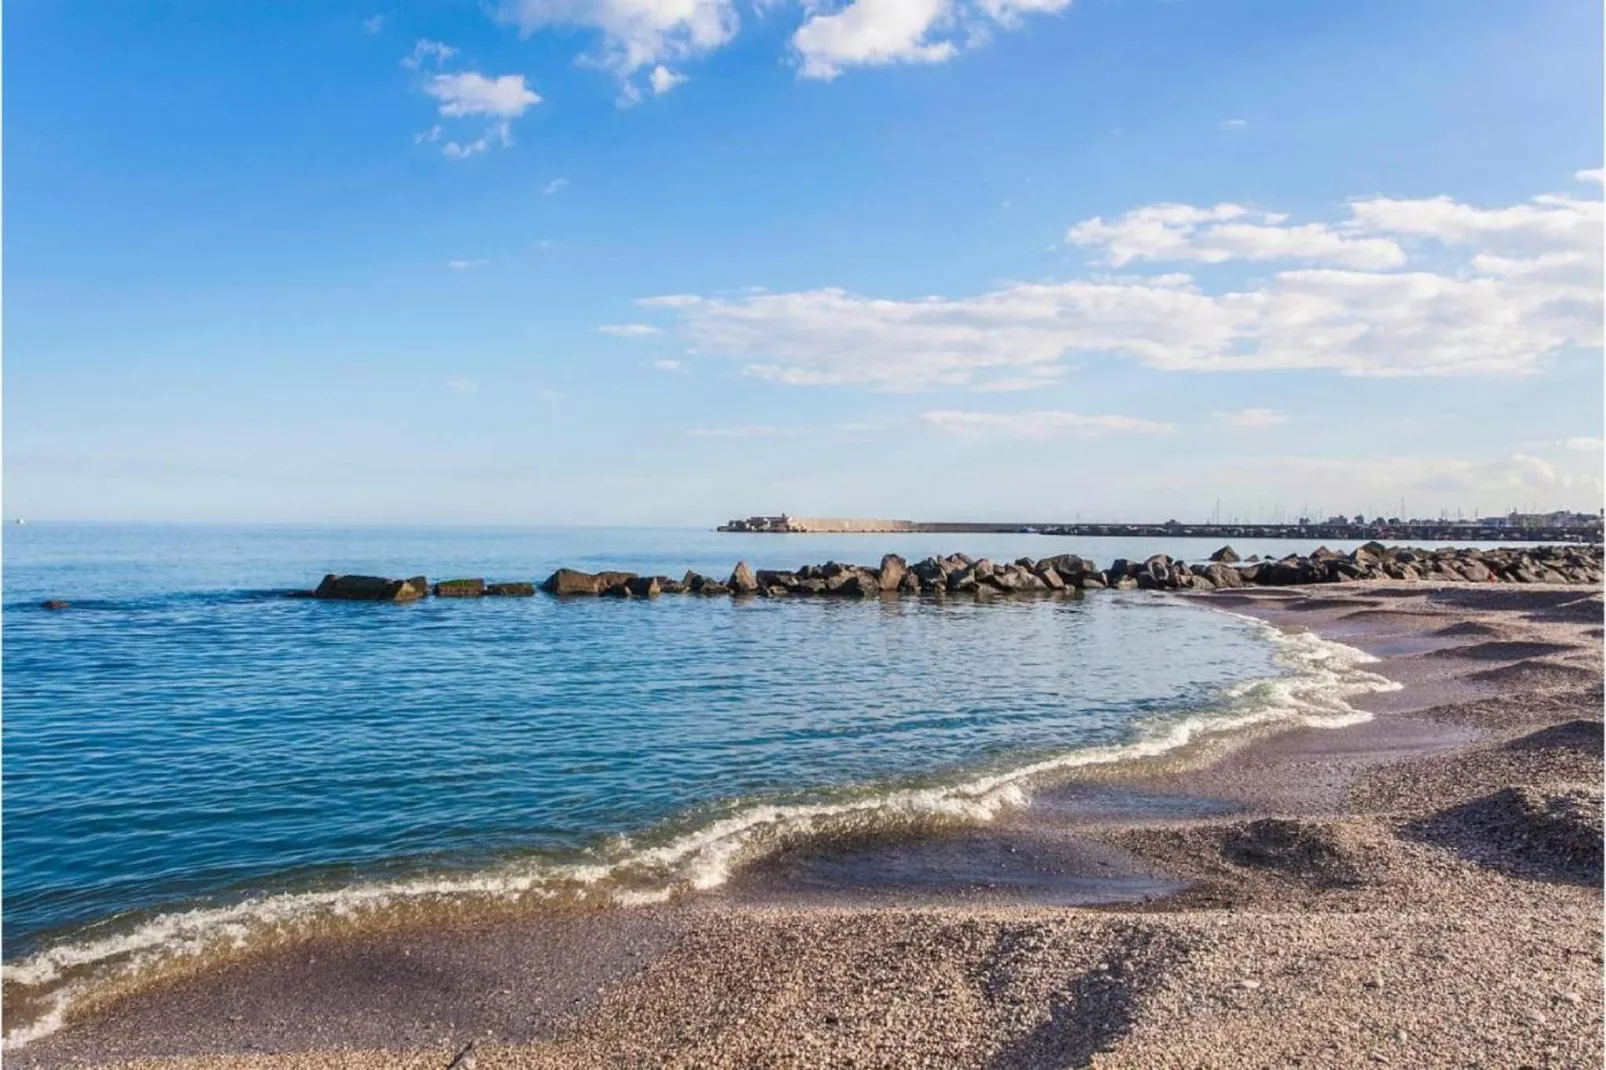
(185, 739)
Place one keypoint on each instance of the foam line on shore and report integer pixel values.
(1321, 677)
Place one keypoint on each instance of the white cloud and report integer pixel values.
(1545, 224)
(464, 265)
(628, 330)
(1039, 425)
(373, 24)
(1250, 419)
(552, 187)
(496, 134)
(1008, 12)
(471, 93)
(1234, 124)
(871, 33)
(433, 52)
(663, 79)
(667, 365)
(1225, 232)
(432, 134)
(463, 386)
(1010, 384)
(1527, 287)
(1593, 175)
(635, 34)
(1583, 444)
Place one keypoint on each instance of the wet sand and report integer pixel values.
(1422, 889)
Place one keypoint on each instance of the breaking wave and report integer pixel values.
(1320, 678)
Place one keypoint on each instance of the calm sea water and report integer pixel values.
(184, 737)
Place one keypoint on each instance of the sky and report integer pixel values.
(666, 262)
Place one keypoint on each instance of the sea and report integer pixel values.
(194, 763)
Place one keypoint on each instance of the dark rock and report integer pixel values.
(566, 581)
(616, 590)
(510, 590)
(644, 586)
(768, 577)
(963, 580)
(1050, 578)
(371, 589)
(56, 603)
(891, 574)
(1226, 556)
(669, 586)
(712, 588)
(909, 584)
(742, 580)
(460, 589)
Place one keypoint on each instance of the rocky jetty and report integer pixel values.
(960, 574)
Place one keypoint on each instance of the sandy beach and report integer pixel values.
(1422, 889)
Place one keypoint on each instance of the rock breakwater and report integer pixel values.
(960, 574)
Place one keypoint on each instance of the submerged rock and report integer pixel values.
(510, 590)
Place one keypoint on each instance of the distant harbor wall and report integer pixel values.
(1420, 530)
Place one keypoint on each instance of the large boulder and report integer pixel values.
(567, 581)
(1219, 575)
(460, 589)
(1226, 556)
(962, 580)
(371, 589)
(510, 590)
(1071, 568)
(1158, 570)
(742, 580)
(891, 573)
(644, 586)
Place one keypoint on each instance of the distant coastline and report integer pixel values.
(1578, 528)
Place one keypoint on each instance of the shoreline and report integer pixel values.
(1316, 786)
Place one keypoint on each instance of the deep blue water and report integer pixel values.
(183, 736)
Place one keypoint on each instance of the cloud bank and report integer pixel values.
(1401, 287)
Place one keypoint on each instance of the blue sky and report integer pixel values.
(669, 261)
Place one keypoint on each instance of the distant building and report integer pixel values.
(1562, 518)
(761, 523)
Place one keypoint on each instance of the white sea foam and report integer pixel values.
(1322, 676)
